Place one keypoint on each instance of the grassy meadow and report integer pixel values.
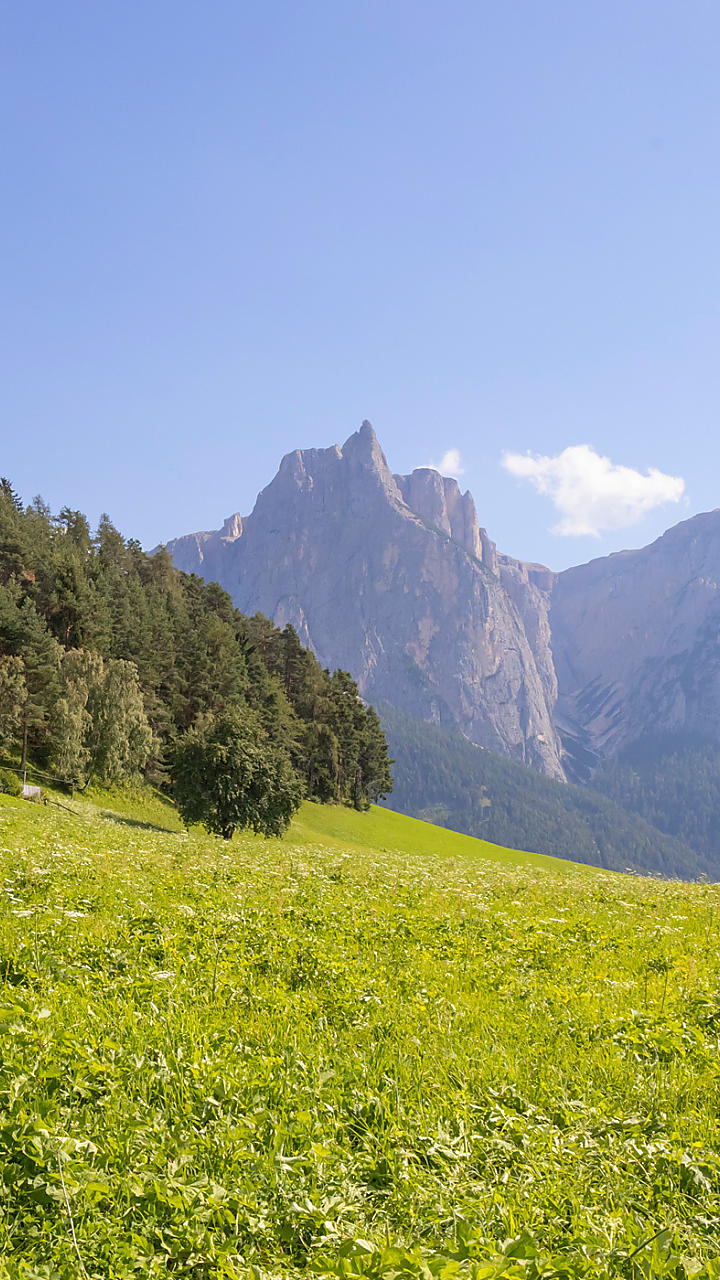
(372, 1049)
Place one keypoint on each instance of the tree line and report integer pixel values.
(113, 662)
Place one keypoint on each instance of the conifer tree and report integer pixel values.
(23, 633)
(13, 693)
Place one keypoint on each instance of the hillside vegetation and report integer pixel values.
(372, 1049)
(440, 776)
(672, 781)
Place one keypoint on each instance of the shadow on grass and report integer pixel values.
(112, 816)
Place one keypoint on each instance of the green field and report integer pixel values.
(374, 1048)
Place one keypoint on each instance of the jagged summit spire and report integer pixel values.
(364, 436)
(363, 446)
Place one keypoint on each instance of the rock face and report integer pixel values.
(391, 578)
(636, 643)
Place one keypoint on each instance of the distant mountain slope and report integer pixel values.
(673, 782)
(636, 643)
(443, 778)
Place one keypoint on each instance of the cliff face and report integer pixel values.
(636, 643)
(391, 578)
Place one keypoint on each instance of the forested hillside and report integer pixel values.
(672, 781)
(108, 656)
(443, 778)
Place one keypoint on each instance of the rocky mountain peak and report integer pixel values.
(363, 457)
(438, 500)
(391, 578)
(364, 445)
(359, 468)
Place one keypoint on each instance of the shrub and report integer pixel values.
(10, 784)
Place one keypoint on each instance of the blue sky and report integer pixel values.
(235, 229)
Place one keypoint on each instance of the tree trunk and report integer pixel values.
(23, 762)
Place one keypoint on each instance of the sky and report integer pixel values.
(231, 230)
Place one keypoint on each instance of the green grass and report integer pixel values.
(382, 830)
(375, 1048)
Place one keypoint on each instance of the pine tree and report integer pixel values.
(23, 633)
(375, 777)
(13, 694)
(13, 549)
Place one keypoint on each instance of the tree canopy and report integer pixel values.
(228, 774)
(98, 725)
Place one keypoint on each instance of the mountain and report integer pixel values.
(393, 578)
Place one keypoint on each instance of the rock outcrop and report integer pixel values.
(636, 644)
(391, 578)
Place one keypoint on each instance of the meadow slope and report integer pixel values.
(374, 1048)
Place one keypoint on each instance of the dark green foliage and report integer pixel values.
(672, 782)
(361, 765)
(10, 784)
(24, 635)
(373, 763)
(13, 694)
(335, 741)
(12, 543)
(228, 775)
(442, 777)
(61, 589)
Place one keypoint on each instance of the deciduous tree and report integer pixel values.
(98, 727)
(227, 774)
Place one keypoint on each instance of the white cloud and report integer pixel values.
(450, 464)
(591, 493)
